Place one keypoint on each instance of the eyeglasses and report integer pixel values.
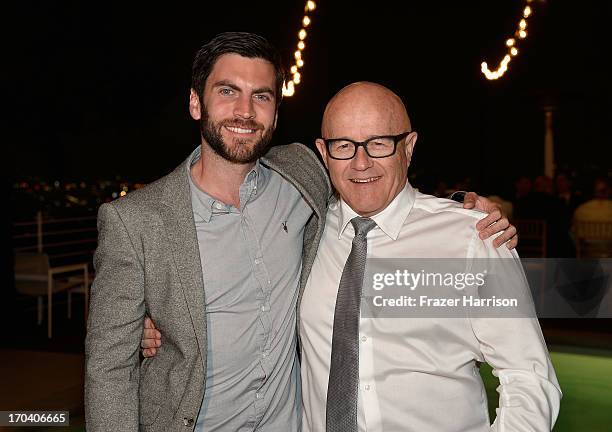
(375, 147)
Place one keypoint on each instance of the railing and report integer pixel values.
(65, 240)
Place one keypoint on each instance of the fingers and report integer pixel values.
(494, 228)
(469, 200)
(150, 343)
(509, 235)
(491, 218)
(150, 339)
(148, 323)
(149, 352)
(513, 242)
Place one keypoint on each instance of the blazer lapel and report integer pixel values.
(177, 215)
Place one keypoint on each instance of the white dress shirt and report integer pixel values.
(421, 374)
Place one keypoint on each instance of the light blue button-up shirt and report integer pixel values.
(251, 262)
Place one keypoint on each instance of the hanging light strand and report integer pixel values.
(511, 46)
(298, 62)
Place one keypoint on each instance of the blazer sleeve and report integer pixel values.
(114, 329)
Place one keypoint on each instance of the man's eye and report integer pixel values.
(380, 144)
(262, 97)
(226, 91)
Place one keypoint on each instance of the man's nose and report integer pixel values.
(361, 161)
(244, 107)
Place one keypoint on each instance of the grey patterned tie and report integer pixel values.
(343, 385)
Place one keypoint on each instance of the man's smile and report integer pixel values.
(239, 130)
(365, 180)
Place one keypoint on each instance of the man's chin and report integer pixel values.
(241, 158)
(244, 153)
(364, 207)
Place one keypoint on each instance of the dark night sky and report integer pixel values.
(100, 89)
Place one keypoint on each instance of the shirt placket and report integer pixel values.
(264, 283)
(367, 385)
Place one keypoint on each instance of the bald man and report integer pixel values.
(404, 374)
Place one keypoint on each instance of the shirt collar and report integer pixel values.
(390, 220)
(254, 181)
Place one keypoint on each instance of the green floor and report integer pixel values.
(586, 382)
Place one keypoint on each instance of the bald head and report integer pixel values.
(366, 104)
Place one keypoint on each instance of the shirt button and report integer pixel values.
(188, 422)
(218, 206)
(258, 395)
(367, 387)
(257, 261)
(363, 338)
(264, 355)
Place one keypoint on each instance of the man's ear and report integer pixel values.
(322, 150)
(410, 143)
(194, 105)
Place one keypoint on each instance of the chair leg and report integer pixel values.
(39, 300)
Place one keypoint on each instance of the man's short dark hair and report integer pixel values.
(245, 44)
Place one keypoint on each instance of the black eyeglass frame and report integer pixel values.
(364, 144)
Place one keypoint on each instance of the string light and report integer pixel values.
(289, 86)
(512, 50)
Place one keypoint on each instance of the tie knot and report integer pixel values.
(362, 225)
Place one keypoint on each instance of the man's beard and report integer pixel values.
(239, 152)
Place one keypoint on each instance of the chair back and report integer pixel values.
(593, 239)
(31, 273)
(532, 237)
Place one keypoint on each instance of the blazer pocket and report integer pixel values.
(154, 385)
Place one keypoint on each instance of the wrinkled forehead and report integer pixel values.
(362, 117)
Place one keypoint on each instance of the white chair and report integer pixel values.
(35, 277)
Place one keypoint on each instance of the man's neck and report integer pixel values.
(218, 177)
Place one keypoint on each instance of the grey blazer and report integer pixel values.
(147, 262)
